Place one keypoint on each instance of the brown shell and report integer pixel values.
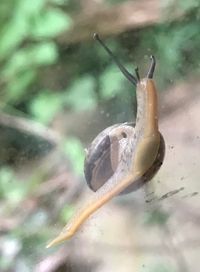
(103, 154)
(100, 164)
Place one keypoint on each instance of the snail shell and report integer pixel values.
(104, 155)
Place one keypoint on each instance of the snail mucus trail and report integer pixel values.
(122, 157)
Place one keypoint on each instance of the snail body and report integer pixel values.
(122, 157)
(104, 153)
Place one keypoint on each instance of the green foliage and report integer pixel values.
(183, 5)
(80, 95)
(111, 82)
(27, 43)
(75, 152)
(31, 240)
(158, 267)
(43, 53)
(31, 21)
(49, 24)
(45, 105)
(29, 49)
(59, 2)
(175, 55)
(11, 190)
(17, 87)
(176, 52)
(114, 2)
(156, 217)
(66, 213)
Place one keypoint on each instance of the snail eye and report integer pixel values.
(124, 135)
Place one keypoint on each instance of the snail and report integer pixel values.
(124, 156)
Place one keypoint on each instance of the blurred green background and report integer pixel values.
(58, 90)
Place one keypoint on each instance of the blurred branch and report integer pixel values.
(65, 259)
(30, 127)
(52, 262)
(50, 178)
(116, 19)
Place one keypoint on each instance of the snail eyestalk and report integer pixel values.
(152, 67)
(137, 74)
(124, 71)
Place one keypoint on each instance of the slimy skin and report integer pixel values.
(138, 156)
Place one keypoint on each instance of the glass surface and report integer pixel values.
(59, 90)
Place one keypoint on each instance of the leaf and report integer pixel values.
(18, 85)
(50, 23)
(17, 27)
(11, 189)
(187, 5)
(45, 106)
(11, 36)
(24, 9)
(59, 2)
(80, 96)
(74, 150)
(110, 82)
(114, 2)
(31, 21)
(66, 213)
(40, 54)
(43, 53)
